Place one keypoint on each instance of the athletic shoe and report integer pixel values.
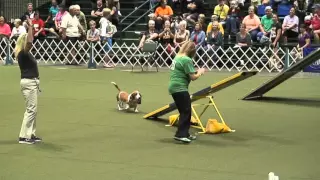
(26, 141)
(182, 139)
(192, 137)
(36, 139)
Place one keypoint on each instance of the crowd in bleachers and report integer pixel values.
(177, 21)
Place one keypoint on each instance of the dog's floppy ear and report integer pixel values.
(133, 96)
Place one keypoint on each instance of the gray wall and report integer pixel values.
(15, 8)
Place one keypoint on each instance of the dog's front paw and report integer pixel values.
(136, 110)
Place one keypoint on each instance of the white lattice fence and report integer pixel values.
(54, 51)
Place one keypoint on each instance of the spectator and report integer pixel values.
(275, 38)
(214, 18)
(166, 36)
(198, 36)
(62, 12)
(5, 30)
(221, 10)
(202, 22)
(233, 18)
(175, 23)
(93, 34)
(114, 5)
(150, 36)
(252, 23)
(304, 39)
(290, 26)
(38, 27)
(162, 13)
(195, 8)
(28, 15)
(243, 38)
(266, 23)
(97, 11)
(53, 11)
(215, 37)
(17, 29)
(81, 17)
(106, 33)
(71, 31)
(182, 35)
(276, 31)
(315, 23)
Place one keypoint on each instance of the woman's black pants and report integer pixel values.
(183, 103)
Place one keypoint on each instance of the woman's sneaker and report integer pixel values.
(186, 139)
(26, 141)
(36, 139)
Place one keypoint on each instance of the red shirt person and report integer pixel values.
(38, 26)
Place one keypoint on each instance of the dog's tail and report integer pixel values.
(116, 85)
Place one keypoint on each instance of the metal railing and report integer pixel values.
(54, 51)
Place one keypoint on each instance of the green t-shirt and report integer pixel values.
(266, 23)
(181, 67)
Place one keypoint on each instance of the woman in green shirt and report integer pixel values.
(182, 72)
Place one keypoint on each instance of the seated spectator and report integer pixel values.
(266, 23)
(27, 15)
(243, 38)
(93, 34)
(221, 10)
(215, 37)
(195, 7)
(233, 18)
(252, 23)
(166, 36)
(214, 18)
(151, 35)
(81, 17)
(175, 23)
(202, 22)
(162, 13)
(17, 29)
(106, 34)
(114, 5)
(62, 12)
(290, 26)
(315, 23)
(38, 27)
(198, 36)
(182, 35)
(53, 11)
(5, 30)
(96, 12)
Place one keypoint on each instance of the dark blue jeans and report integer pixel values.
(231, 25)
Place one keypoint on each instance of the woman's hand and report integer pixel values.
(201, 71)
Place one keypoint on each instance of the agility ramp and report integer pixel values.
(283, 76)
(203, 93)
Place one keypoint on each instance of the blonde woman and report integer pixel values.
(182, 35)
(17, 29)
(29, 85)
(181, 74)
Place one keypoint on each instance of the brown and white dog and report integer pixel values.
(126, 100)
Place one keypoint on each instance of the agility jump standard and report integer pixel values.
(281, 77)
(202, 93)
